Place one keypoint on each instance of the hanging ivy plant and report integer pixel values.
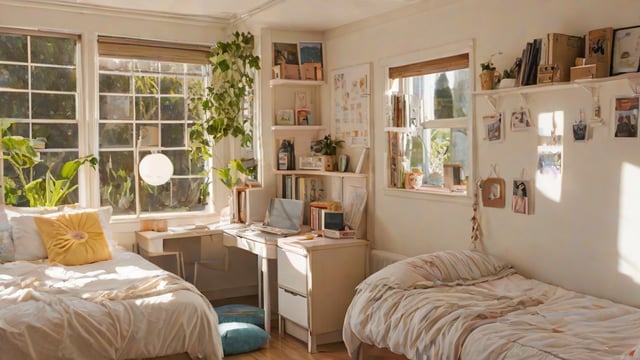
(232, 78)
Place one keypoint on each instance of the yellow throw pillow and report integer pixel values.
(74, 238)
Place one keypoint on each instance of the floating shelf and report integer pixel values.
(285, 82)
(297, 127)
(320, 173)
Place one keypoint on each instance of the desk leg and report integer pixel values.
(266, 293)
(260, 285)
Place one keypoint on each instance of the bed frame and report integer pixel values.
(370, 352)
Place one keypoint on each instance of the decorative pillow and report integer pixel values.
(240, 337)
(240, 313)
(74, 238)
(104, 213)
(7, 251)
(26, 237)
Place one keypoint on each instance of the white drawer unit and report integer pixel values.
(316, 282)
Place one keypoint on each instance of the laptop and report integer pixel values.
(283, 217)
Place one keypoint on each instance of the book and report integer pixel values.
(599, 48)
(563, 51)
(363, 155)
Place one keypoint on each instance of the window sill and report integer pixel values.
(431, 194)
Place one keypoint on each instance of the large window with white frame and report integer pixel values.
(39, 79)
(429, 127)
(144, 107)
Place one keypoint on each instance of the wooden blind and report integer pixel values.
(449, 63)
(152, 50)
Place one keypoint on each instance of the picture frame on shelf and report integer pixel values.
(285, 117)
(599, 48)
(626, 50)
(303, 117)
(625, 116)
(285, 53)
(311, 63)
(301, 100)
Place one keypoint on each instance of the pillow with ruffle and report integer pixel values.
(73, 238)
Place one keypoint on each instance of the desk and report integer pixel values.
(263, 245)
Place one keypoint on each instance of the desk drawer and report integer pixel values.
(293, 307)
(292, 271)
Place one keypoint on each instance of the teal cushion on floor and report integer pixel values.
(240, 337)
(240, 313)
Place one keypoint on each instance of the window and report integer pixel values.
(39, 96)
(144, 91)
(429, 130)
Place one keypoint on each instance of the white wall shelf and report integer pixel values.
(285, 82)
(320, 173)
(297, 127)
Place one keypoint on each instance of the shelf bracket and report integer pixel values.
(634, 85)
(492, 101)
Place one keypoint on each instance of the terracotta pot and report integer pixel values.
(487, 79)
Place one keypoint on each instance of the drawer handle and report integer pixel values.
(290, 292)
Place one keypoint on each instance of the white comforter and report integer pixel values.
(118, 309)
(466, 305)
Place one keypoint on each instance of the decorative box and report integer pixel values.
(583, 72)
(320, 162)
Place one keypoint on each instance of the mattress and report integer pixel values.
(123, 308)
(468, 305)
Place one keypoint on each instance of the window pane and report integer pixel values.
(53, 106)
(116, 107)
(115, 64)
(198, 70)
(148, 135)
(117, 183)
(13, 48)
(147, 108)
(181, 161)
(172, 68)
(146, 84)
(120, 84)
(58, 136)
(146, 66)
(440, 96)
(14, 105)
(53, 50)
(171, 85)
(54, 79)
(116, 135)
(443, 146)
(14, 76)
(172, 108)
(188, 194)
(173, 135)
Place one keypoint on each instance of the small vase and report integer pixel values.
(487, 79)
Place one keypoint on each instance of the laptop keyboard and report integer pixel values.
(272, 229)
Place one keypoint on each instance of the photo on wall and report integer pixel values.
(626, 116)
(520, 202)
(494, 126)
(521, 120)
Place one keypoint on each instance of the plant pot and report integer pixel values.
(487, 79)
(507, 83)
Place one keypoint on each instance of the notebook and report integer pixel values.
(283, 217)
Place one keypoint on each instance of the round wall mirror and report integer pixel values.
(155, 169)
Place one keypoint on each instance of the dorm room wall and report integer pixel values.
(241, 279)
(580, 239)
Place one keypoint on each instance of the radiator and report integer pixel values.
(382, 258)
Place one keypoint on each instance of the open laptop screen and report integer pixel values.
(284, 213)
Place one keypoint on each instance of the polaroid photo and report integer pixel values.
(521, 120)
(626, 116)
(494, 126)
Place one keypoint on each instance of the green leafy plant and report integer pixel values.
(230, 175)
(488, 65)
(49, 190)
(232, 70)
(328, 146)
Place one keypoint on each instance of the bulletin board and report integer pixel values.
(352, 103)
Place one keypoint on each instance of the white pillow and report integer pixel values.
(26, 237)
(7, 251)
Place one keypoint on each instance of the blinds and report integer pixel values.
(449, 63)
(152, 50)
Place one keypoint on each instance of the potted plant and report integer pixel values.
(328, 147)
(224, 99)
(488, 74)
(509, 75)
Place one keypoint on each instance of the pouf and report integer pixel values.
(241, 328)
(240, 313)
(240, 337)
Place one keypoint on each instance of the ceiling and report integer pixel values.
(309, 15)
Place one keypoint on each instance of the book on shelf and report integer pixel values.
(562, 52)
(308, 189)
(599, 48)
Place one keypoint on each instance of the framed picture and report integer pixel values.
(300, 100)
(626, 50)
(493, 192)
(303, 117)
(285, 117)
(520, 120)
(626, 116)
(520, 199)
(311, 60)
(599, 48)
(580, 131)
(494, 126)
(285, 53)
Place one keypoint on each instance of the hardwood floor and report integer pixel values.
(284, 347)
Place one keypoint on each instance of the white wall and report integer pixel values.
(578, 242)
